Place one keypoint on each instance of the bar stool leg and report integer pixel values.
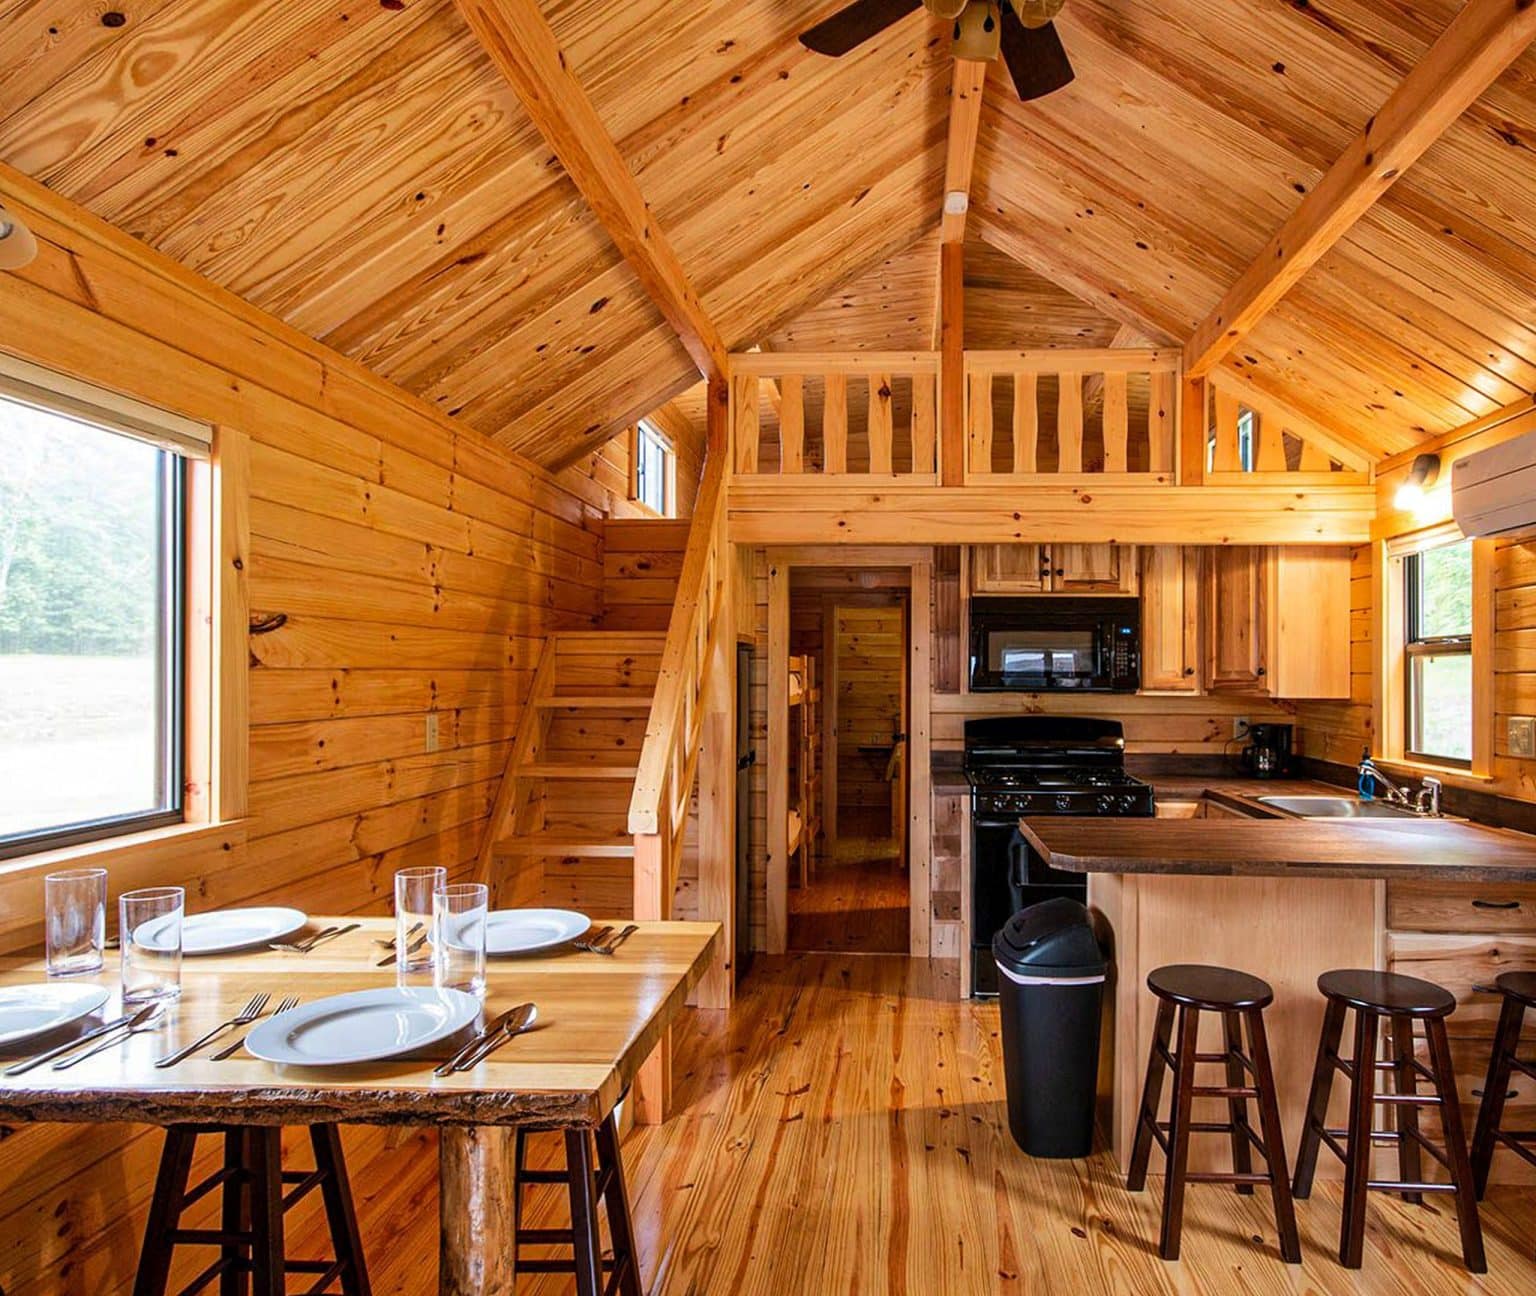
(1151, 1097)
(164, 1211)
(264, 1146)
(1456, 1147)
(1274, 1140)
(1317, 1100)
(616, 1200)
(1237, 1108)
(1406, 1119)
(336, 1192)
(234, 1215)
(1178, 1133)
(585, 1242)
(1357, 1167)
(1490, 1112)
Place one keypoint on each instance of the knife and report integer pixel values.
(132, 1019)
(512, 1023)
(445, 1068)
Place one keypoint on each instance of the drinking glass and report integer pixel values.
(149, 931)
(459, 933)
(75, 917)
(413, 919)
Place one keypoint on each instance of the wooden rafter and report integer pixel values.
(523, 47)
(967, 90)
(1479, 44)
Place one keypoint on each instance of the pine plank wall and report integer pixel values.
(419, 567)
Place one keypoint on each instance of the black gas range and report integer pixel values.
(1035, 765)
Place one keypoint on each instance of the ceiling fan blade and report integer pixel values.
(854, 25)
(1035, 57)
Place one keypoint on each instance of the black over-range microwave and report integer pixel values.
(1055, 643)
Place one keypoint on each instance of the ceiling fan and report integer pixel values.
(1021, 30)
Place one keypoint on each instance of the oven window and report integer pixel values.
(1041, 652)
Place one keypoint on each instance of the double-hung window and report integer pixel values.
(655, 471)
(1437, 651)
(93, 580)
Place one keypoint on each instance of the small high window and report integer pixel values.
(92, 624)
(655, 471)
(1437, 645)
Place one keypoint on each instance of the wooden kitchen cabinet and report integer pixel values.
(1053, 569)
(1170, 619)
(1276, 621)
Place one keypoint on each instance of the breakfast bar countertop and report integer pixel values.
(1438, 849)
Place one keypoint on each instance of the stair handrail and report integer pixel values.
(668, 756)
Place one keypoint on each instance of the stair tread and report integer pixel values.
(596, 701)
(567, 842)
(577, 769)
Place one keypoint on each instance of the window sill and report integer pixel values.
(157, 848)
(1455, 775)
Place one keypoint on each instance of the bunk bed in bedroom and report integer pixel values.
(805, 769)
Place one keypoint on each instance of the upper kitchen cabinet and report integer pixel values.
(1053, 569)
(1276, 621)
(1170, 619)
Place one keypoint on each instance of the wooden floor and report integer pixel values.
(844, 1132)
(856, 903)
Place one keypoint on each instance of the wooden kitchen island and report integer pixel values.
(1287, 899)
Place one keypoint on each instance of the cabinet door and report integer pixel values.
(1235, 620)
(1308, 611)
(1170, 621)
(1010, 569)
(1093, 569)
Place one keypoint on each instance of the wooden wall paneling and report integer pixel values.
(925, 423)
(879, 423)
(1026, 420)
(1116, 426)
(834, 424)
(979, 422)
(791, 424)
(1069, 423)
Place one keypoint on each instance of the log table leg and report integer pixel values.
(476, 1176)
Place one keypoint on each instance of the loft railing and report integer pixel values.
(658, 808)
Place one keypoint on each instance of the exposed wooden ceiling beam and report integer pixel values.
(1479, 44)
(523, 47)
(967, 89)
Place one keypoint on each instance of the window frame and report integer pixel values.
(1417, 645)
(647, 428)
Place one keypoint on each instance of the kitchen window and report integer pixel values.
(93, 623)
(655, 471)
(1437, 647)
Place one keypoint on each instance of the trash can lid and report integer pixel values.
(1052, 938)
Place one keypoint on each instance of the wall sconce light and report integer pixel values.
(1421, 476)
(17, 246)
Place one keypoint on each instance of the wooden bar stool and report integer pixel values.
(1189, 990)
(587, 1179)
(1519, 991)
(1400, 1001)
(252, 1184)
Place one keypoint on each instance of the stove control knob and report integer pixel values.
(1104, 803)
(1022, 803)
(1063, 803)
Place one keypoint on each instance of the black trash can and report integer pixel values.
(1050, 973)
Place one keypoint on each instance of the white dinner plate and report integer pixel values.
(221, 931)
(522, 931)
(28, 1010)
(363, 1026)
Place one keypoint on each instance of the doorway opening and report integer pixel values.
(852, 627)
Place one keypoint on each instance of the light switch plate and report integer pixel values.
(432, 734)
(1522, 735)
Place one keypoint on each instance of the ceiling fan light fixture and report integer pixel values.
(1036, 13)
(17, 245)
(978, 32)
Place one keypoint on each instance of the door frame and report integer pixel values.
(919, 562)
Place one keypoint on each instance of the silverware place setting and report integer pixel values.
(248, 1014)
(415, 945)
(154, 1022)
(287, 1004)
(593, 939)
(95, 1033)
(610, 946)
(390, 943)
(309, 942)
(508, 1026)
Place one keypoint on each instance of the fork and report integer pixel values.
(409, 949)
(609, 947)
(410, 935)
(288, 1004)
(591, 943)
(246, 1015)
(309, 943)
(151, 1023)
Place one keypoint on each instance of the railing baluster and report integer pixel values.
(1313, 459)
(924, 423)
(834, 424)
(791, 424)
(1116, 416)
(1069, 423)
(744, 399)
(1269, 454)
(1229, 455)
(1026, 420)
(880, 423)
(979, 422)
(1160, 422)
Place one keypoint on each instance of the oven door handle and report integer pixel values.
(1018, 860)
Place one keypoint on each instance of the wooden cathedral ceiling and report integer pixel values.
(364, 172)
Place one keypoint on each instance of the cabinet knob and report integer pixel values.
(1061, 571)
(1189, 670)
(1260, 671)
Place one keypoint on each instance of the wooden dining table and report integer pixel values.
(599, 1018)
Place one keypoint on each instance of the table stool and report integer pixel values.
(1519, 992)
(253, 1202)
(1400, 1001)
(1188, 990)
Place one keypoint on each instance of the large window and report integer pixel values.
(1437, 646)
(655, 471)
(92, 581)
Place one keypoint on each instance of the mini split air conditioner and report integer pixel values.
(1493, 492)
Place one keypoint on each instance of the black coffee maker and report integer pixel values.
(1268, 753)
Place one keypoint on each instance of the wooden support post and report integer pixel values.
(778, 757)
(475, 1206)
(717, 808)
(652, 1092)
(952, 364)
(1192, 431)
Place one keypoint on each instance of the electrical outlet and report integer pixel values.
(432, 734)
(1522, 735)
(1239, 727)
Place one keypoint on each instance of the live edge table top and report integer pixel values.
(1438, 850)
(599, 1019)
